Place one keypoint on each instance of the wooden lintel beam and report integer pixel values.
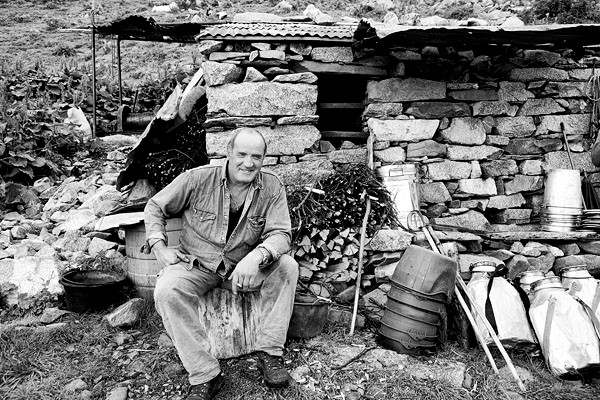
(337, 106)
(343, 135)
(338, 69)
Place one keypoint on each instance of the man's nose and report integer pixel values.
(248, 162)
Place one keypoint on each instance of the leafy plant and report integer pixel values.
(566, 11)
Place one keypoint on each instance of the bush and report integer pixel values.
(566, 11)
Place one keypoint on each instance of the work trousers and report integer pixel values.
(177, 295)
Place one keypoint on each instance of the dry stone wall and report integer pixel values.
(251, 85)
(484, 128)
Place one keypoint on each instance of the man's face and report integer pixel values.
(245, 158)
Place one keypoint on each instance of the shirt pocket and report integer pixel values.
(203, 222)
(254, 229)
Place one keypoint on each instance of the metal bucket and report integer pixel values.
(308, 318)
(402, 183)
(426, 272)
(416, 323)
(412, 312)
(407, 341)
(563, 190)
(92, 290)
(413, 299)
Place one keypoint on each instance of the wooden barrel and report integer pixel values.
(142, 268)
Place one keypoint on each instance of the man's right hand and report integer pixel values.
(168, 256)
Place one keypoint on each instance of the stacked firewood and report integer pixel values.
(327, 219)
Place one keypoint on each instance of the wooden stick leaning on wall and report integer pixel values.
(486, 323)
(492, 333)
(361, 250)
(363, 232)
(433, 242)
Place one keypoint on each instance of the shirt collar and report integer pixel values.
(257, 183)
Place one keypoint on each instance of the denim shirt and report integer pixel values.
(202, 197)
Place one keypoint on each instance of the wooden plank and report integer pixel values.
(541, 235)
(341, 106)
(338, 69)
(344, 135)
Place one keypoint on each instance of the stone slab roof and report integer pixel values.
(146, 29)
(386, 35)
(305, 31)
(524, 36)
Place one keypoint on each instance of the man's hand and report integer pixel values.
(167, 256)
(245, 272)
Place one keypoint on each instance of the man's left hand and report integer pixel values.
(245, 272)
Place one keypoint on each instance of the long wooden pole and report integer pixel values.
(361, 250)
(435, 244)
(492, 333)
(93, 69)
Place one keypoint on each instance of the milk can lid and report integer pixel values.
(546, 283)
(571, 268)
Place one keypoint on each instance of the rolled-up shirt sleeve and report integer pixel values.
(277, 234)
(169, 202)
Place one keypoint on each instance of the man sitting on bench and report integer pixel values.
(236, 226)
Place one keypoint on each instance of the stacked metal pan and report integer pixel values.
(561, 219)
(591, 220)
(422, 284)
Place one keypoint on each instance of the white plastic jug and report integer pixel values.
(581, 284)
(502, 304)
(567, 334)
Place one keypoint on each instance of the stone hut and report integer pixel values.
(479, 109)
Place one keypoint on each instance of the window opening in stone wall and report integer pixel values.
(340, 105)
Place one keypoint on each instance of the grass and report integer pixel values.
(39, 364)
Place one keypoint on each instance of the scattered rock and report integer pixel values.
(127, 314)
(118, 393)
(256, 17)
(300, 373)
(390, 18)
(164, 341)
(98, 246)
(75, 386)
(51, 314)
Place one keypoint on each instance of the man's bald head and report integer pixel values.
(248, 132)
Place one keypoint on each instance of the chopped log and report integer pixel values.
(231, 322)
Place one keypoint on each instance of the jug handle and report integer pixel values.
(500, 271)
(591, 315)
(548, 328)
(596, 299)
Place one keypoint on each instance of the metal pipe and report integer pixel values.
(119, 70)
